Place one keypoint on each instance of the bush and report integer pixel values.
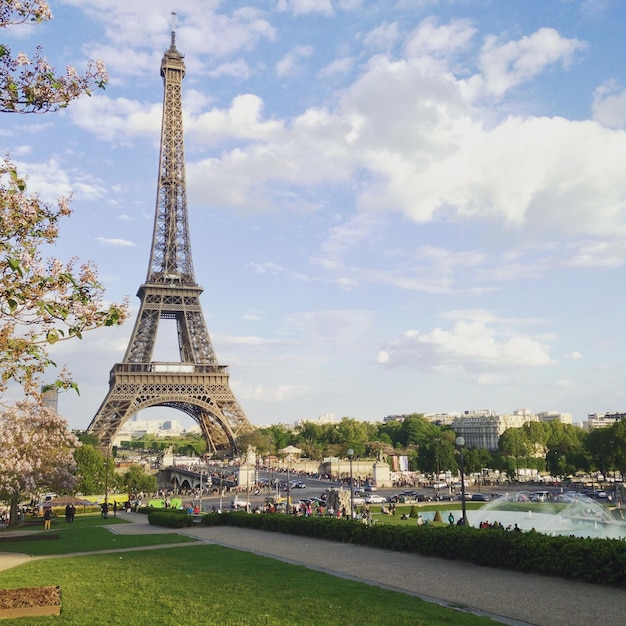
(600, 561)
(170, 518)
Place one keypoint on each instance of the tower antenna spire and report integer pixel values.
(173, 29)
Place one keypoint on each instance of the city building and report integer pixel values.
(326, 418)
(136, 428)
(483, 428)
(555, 416)
(601, 420)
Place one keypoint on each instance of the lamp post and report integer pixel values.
(460, 442)
(221, 485)
(350, 455)
(613, 462)
(288, 511)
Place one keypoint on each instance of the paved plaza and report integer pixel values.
(509, 597)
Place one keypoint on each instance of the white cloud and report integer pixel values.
(421, 149)
(290, 64)
(339, 328)
(306, 7)
(116, 120)
(237, 69)
(470, 347)
(383, 37)
(598, 254)
(51, 180)
(118, 243)
(609, 106)
(140, 31)
(575, 356)
(506, 65)
(430, 38)
(338, 67)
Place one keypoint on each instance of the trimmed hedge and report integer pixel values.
(170, 518)
(599, 561)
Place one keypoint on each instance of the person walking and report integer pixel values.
(451, 519)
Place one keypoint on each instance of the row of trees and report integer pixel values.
(553, 447)
(42, 300)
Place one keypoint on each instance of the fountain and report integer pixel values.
(566, 514)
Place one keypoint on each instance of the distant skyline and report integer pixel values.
(395, 207)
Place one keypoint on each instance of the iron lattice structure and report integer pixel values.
(197, 385)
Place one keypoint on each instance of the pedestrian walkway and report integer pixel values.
(509, 597)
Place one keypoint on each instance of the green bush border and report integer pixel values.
(170, 518)
(598, 561)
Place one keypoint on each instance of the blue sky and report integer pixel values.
(400, 206)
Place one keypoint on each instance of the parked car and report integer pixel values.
(374, 498)
(370, 488)
(481, 497)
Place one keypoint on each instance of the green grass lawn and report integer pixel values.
(215, 585)
(201, 585)
(426, 510)
(85, 535)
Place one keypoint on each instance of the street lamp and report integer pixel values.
(106, 483)
(613, 462)
(221, 485)
(350, 455)
(460, 442)
(288, 486)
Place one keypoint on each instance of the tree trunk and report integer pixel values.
(13, 509)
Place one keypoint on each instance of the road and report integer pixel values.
(316, 486)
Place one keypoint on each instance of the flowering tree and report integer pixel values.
(41, 301)
(30, 84)
(36, 454)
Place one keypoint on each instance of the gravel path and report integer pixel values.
(509, 597)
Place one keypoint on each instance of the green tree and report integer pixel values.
(476, 459)
(310, 437)
(259, 439)
(416, 428)
(351, 433)
(390, 431)
(279, 436)
(91, 471)
(137, 480)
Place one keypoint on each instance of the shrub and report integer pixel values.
(600, 561)
(170, 518)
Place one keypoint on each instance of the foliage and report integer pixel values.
(41, 301)
(138, 480)
(31, 85)
(597, 561)
(170, 518)
(36, 453)
(91, 470)
(259, 439)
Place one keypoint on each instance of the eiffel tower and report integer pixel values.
(198, 384)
